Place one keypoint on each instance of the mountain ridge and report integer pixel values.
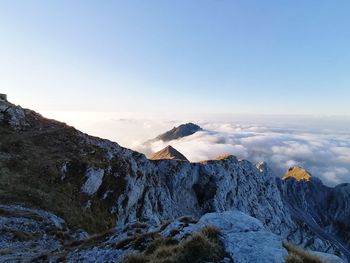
(46, 164)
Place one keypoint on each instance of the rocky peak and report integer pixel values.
(297, 173)
(168, 153)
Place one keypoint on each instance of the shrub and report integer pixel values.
(91, 240)
(160, 242)
(211, 232)
(200, 247)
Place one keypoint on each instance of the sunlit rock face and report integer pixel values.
(297, 173)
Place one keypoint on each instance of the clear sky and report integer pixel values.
(204, 56)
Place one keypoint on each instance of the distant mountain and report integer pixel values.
(169, 153)
(175, 133)
(178, 132)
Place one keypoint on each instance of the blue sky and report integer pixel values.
(218, 56)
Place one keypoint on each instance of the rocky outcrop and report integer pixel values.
(96, 184)
(37, 236)
(29, 233)
(93, 181)
(245, 238)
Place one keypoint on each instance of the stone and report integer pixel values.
(93, 181)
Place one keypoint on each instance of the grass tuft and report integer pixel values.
(200, 247)
(298, 255)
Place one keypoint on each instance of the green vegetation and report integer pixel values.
(30, 174)
(199, 247)
(298, 255)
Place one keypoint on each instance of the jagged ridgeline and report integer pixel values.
(95, 184)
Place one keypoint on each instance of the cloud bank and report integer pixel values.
(319, 144)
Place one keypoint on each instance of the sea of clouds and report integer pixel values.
(324, 155)
(320, 145)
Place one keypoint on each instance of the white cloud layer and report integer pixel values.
(326, 156)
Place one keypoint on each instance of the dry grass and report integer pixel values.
(293, 258)
(162, 241)
(298, 255)
(61, 254)
(30, 168)
(200, 247)
(138, 241)
(90, 241)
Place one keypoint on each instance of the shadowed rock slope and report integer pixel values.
(95, 184)
(326, 210)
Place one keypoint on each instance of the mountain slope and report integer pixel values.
(95, 184)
